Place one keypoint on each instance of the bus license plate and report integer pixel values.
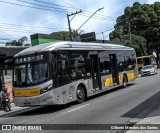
(27, 104)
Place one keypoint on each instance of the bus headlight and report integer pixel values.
(45, 89)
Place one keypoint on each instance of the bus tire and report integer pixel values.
(80, 94)
(124, 81)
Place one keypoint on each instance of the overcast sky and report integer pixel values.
(25, 17)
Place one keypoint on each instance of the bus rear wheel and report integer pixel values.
(124, 81)
(80, 94)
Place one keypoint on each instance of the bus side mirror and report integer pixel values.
(6, 69)
(8, 62)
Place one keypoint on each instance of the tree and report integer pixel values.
(144, 21)
(138, 43)
(21, 42)
(74, 33)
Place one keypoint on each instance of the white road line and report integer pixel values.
(131, 87)
(78, 108)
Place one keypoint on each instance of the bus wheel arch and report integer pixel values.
(125, 80)
(81, 93)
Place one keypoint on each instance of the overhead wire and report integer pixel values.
(30, 27)
(49, 8)
(31, 3)
(69, 7)
(104, 31)
(30, 6)
(26, 29)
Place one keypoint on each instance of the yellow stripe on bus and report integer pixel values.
(132, 75)
(120, 78)
(108, 82)
(31, 92)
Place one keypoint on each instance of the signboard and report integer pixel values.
(88, 37)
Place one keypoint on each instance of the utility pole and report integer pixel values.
(129, 27)
(68, 15)
(103, 36)
(90, 17)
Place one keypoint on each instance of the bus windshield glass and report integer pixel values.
(30, 73)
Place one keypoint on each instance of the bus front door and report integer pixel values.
(95, 70)
(114, 70)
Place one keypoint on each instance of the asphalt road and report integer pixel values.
(120, 106)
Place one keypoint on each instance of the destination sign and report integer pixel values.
(29, 59)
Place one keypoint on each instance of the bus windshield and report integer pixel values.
(30, 73)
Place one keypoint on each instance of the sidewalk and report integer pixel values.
(152, 118)
(14, 109)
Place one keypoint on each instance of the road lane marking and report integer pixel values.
(131, 87)
(78, 108)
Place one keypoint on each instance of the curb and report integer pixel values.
(20, 110)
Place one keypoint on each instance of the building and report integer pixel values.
(7, 52)
(37, 39)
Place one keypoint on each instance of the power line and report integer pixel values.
(28, 30)
(49, 8)
(6, 34)
(61, 8)
(5, 39)
(29, 6)
(68, 15)
(90, 17)
(18, 30)
(2, 42)
(104, 31)
(68, 7)
(56, 4)
(43, 5)
(145, 25)
(30, 27)
(98, 15)
(101, 18)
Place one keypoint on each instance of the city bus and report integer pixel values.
(63, 72)
(146, 60)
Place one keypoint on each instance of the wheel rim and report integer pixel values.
(80, 94)
(124, 82)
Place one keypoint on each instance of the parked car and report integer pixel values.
(148, 70)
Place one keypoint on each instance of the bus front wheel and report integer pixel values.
(80, 95)
(124, 81)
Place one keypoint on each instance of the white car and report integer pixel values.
(148, 70)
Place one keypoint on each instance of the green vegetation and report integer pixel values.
(66, 33)
(20, 42)
(144, 23)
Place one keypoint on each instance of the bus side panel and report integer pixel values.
(132, 75)
(107, 82)
(67, 93)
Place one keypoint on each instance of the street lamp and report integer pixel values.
(90, 17)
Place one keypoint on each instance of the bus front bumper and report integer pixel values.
(43, 99)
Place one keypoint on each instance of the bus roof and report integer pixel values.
(146, 56)
(67, 45)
